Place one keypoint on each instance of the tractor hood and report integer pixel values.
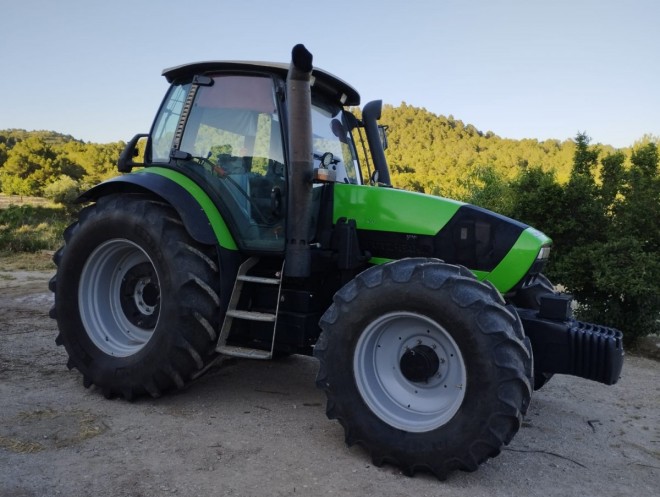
(393, 224)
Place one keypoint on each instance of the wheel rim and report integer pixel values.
(119, 297)
(409, 371)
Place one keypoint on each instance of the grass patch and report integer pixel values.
(7, 200)
(32, 228)
(42, 429)
(27, 261)
(19, 446)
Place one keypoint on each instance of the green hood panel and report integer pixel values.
(387, 209)
(517, 262)
(393, 224)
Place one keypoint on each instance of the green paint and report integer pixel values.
(218, 224)
(379, 260)
(387, 209)
(518, 261)
(480, 275)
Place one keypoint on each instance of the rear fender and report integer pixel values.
(197, 211)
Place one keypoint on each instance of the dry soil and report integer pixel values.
(259, 429)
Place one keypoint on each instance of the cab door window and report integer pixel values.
(234, 140)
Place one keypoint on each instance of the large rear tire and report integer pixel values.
(424, 366)
(136, 298)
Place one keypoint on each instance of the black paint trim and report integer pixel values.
(476, 238)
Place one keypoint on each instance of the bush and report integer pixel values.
(63, 191)
(27, 228)
(606, 236)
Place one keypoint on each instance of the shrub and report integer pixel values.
(29, 228)
(63, 191)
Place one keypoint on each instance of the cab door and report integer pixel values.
(228, 137)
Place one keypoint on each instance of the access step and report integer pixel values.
(234, 314)
(252, 316)
(244, 352)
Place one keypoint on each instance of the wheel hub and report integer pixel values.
(140, 296)
(409, 371)
(419, 364)
(146, 296)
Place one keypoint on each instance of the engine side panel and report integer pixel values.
(393, 224)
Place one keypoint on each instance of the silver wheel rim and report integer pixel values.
(119, 297)
(413, 406)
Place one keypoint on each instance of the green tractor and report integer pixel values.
(249, 231)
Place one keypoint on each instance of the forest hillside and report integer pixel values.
(600, 205)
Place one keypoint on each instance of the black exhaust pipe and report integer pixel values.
(301, 165)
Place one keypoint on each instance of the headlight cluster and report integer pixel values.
(544, 253)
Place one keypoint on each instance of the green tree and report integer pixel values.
(537, 199)
(487, 188)
(608, 248)
(32, 164)
(63, 191)
(612, 178)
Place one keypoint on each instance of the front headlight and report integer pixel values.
(544, 253)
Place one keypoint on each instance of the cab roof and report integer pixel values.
(323, 80)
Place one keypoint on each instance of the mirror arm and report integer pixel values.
(125, 163)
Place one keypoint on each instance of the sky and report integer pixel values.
(542, 69)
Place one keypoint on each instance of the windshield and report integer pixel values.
(166, 123)
(331, 133)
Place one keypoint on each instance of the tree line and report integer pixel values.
(600, 205)
(50, 164)
(605, 225)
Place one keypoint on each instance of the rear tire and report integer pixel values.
(424, 366)
(136, 299)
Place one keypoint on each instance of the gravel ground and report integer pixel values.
(259, 428)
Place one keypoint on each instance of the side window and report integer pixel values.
(234, 139)
(166, 122)
(331, 135)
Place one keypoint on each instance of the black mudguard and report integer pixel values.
(194, 219)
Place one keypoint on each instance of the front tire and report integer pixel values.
(424, 366)
(529, 297)
(136, 298)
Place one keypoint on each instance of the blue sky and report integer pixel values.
(519, 68)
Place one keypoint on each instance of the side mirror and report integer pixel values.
(133, 153)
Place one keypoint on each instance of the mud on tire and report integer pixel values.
(136, 299)
(424, 366)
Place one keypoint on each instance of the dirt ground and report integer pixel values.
(259, 429)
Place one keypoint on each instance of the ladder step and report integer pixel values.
(259, 279)
(234, 313)
(252, 316)
(245, 352)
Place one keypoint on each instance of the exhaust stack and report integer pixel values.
(301, 166)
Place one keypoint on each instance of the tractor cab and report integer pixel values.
(223, 124)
